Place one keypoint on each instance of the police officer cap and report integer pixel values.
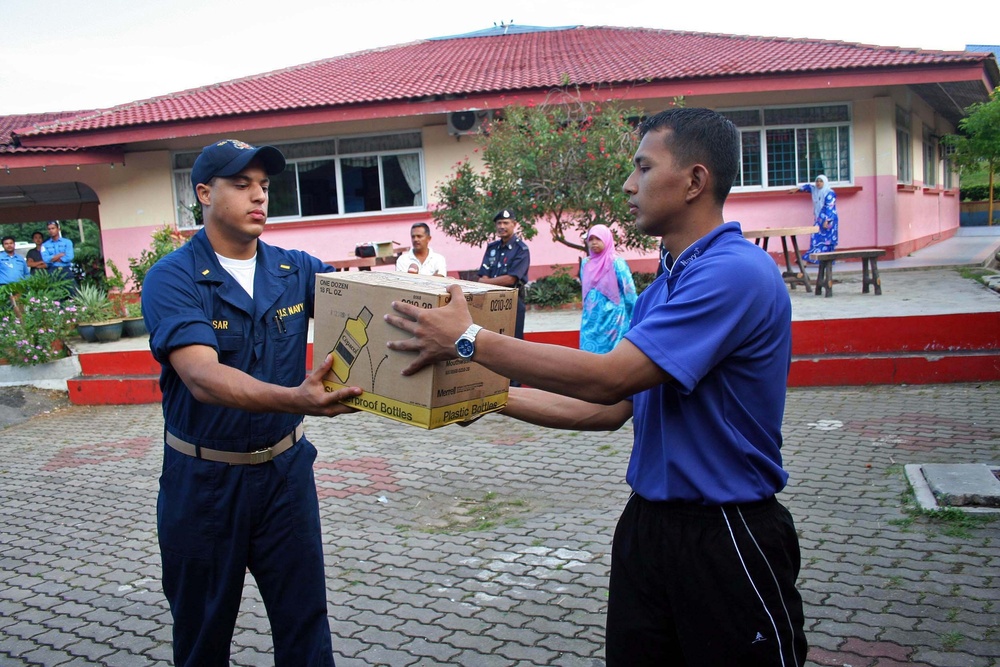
(505, 214)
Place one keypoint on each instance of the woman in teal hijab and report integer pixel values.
(608, 293)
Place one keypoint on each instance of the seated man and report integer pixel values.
(420, 258)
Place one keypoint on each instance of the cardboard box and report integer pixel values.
(383, 248)
(349, 310)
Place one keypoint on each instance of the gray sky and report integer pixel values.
(68, 55)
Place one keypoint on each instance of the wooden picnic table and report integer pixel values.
(359, 263)
(791, 277)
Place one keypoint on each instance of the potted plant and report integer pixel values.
(98, 320)
(133, 324)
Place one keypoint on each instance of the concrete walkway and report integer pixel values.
(928, 282)
(488, 546)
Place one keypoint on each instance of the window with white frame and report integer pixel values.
(930, 159)
(786, 146)
(332, 177)
(949, 172)
(904, 147)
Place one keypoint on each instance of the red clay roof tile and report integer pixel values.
(493, 63)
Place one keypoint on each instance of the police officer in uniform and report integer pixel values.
(228, 317)
(506, 262)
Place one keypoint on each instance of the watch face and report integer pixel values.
(465, 348)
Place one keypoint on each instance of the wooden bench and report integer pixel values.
(866, 255)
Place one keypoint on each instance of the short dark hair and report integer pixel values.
(39, 232)
(4, 239)
(704, 136)
(53, 222)
(427, 229)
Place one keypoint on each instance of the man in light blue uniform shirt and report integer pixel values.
(13, 267)
(57, 252)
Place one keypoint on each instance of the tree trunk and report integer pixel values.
(989, 219)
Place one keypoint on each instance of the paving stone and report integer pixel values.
(534, 593)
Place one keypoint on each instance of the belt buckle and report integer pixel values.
(261, 456)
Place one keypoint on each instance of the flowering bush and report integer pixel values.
(563, 161)
(29, 331)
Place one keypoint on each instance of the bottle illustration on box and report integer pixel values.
(352, 340)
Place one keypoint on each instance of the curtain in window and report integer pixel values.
(410, 166)
(823, 154)
(185, 197)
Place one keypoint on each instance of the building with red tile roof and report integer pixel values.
(351, 124)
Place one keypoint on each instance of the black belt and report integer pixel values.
(235, 458)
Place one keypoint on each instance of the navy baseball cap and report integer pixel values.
(505, 214)
(230, 156)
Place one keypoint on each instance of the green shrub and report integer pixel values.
(978, 192)
(165, 240)
(38, 284)
(642, 280)
(31, 325)
(554, 290)
(88, 264)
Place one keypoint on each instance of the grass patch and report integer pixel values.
(978, 274)
(956, 523)
(483, 514)
(951, 521)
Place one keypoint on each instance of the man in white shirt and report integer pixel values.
(420, 258)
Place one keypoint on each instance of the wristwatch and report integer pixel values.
(466, 343)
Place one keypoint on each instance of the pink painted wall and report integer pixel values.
(868, 212)
(124, 242)
(337, 241)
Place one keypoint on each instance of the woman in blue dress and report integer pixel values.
(608, 293)
(824, 217)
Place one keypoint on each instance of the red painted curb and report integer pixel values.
(923, 349)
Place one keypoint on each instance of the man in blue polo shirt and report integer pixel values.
(13, 267)
(228, 319)
(57, 251)
(704, 559)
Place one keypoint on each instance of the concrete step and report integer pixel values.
(132, 389)
(840, 370)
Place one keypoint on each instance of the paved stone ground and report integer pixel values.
(489, 545)
(20, 403)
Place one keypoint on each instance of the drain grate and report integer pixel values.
(969, 487)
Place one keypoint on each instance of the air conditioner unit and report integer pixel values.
(465, 122)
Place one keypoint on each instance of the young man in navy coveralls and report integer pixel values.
(506, 262)
(228, 317)
(704, 559)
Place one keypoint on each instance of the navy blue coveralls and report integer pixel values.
(215, 520)
(510, 259)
